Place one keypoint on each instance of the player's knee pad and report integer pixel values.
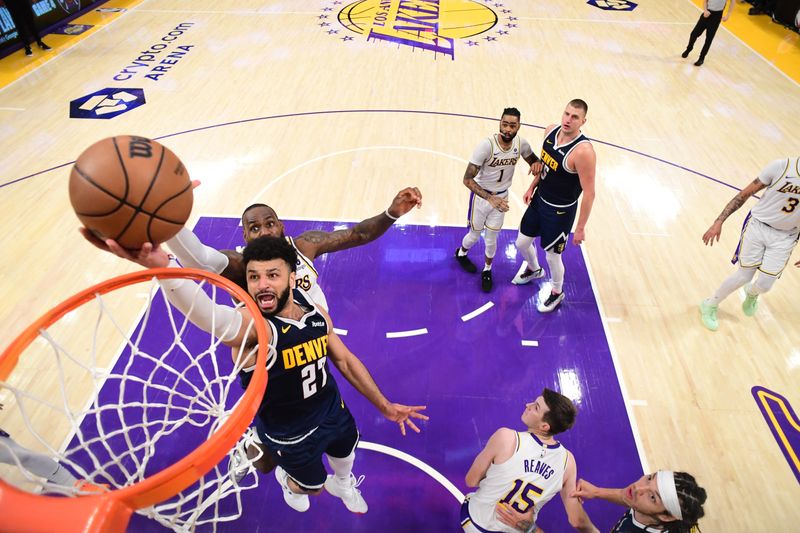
(490, 238)
(470, 239)
(763, 283)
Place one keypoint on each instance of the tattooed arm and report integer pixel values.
(313, 244)
(715, 230)
(511, 517)
(495, 201)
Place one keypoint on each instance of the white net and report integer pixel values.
(115, 396)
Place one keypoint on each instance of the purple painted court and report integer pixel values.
(474, 375)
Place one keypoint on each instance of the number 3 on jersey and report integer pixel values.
(310, 374)
(524, 496)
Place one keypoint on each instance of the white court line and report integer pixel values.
(482, 309)
(409, 333)
(410, 459)
(530, 343)
(610, 21)
(340, 332)
(12, 109)
(626, 400)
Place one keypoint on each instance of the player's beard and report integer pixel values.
(510, 137)
(283, 299)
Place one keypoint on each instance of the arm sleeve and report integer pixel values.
(773, 171)
(190, 299)
(481, 153)
(194, 254)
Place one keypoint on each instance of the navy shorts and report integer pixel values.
(336, 436)
(4, 434)
(551, 224)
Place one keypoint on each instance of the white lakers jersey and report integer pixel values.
(497, 165)
(532, 476)
(306, 278)
(779, 206)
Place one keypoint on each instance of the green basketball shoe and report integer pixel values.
(750, 303)
(708, 313)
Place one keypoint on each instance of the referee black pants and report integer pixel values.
(705, 24)
(23, 18)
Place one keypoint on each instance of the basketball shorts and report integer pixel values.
(4, 434)
(336, 436)
(764, 247)
(481, 214)
(466, 521)
(551, 224)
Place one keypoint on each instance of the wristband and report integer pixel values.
(390, 216)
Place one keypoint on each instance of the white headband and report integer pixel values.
(669, 496)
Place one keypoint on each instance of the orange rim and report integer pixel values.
(113, 509)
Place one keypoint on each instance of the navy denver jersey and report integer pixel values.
(628, 524)
(300, 390)
(560, 187)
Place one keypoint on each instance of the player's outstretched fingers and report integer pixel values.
(93, 239)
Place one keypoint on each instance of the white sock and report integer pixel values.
(342, 466)
(487, 266)
(528, 251)
(556, 271)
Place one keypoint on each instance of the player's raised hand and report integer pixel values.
(402, 414)
(148, 256)
(93, 239)
(712, 233)
(405, 201)
(584, 490)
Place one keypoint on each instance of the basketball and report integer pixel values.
(130, 189)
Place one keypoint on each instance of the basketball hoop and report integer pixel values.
(141, 405)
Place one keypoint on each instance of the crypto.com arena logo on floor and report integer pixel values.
(106, 103)
(437, 26)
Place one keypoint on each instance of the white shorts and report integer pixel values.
(482, 215)
(764, 247)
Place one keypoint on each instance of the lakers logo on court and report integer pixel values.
(106, 103)
(613, 5)
(432, 25)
